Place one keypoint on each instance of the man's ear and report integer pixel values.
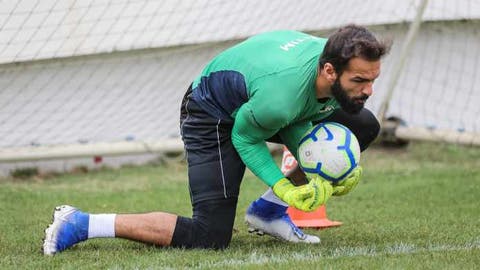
(330, 73)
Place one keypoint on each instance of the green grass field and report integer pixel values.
(416, 208)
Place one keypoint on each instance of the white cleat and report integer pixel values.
(281, 228)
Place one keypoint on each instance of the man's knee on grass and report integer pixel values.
(210, 227)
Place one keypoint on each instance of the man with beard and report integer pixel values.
(270, 87)
(348, 66)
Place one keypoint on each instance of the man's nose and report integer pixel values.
(368, 89)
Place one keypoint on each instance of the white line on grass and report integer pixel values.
(396, 249)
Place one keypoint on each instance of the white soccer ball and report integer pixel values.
(330, 150)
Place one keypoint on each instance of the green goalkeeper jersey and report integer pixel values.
(266, 85)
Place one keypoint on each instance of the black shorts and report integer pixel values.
(215, 169)
(215, 172)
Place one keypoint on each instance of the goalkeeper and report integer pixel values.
(270, 87)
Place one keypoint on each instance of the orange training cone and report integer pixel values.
(317, 219)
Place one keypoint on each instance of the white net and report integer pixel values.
(83, 72)
(437, 86)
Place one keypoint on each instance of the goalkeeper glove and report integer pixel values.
(346, 185)
(306, 197)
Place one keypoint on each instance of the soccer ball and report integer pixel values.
(330, 150)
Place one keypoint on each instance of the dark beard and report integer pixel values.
(347, 103)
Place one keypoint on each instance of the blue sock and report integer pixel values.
(267, 209)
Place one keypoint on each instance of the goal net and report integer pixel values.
(105, 77)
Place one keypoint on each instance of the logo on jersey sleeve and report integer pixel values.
(293, 43)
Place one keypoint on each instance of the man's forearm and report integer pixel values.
(297, 176)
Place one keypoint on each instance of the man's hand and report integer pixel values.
(306, 197)
(346, 185)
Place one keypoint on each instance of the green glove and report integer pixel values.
(324, 191)
(306, 197)
(346, 185)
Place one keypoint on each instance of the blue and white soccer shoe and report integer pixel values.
(69, 227)
(264, 217)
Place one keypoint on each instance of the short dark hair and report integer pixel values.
(352, 41)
